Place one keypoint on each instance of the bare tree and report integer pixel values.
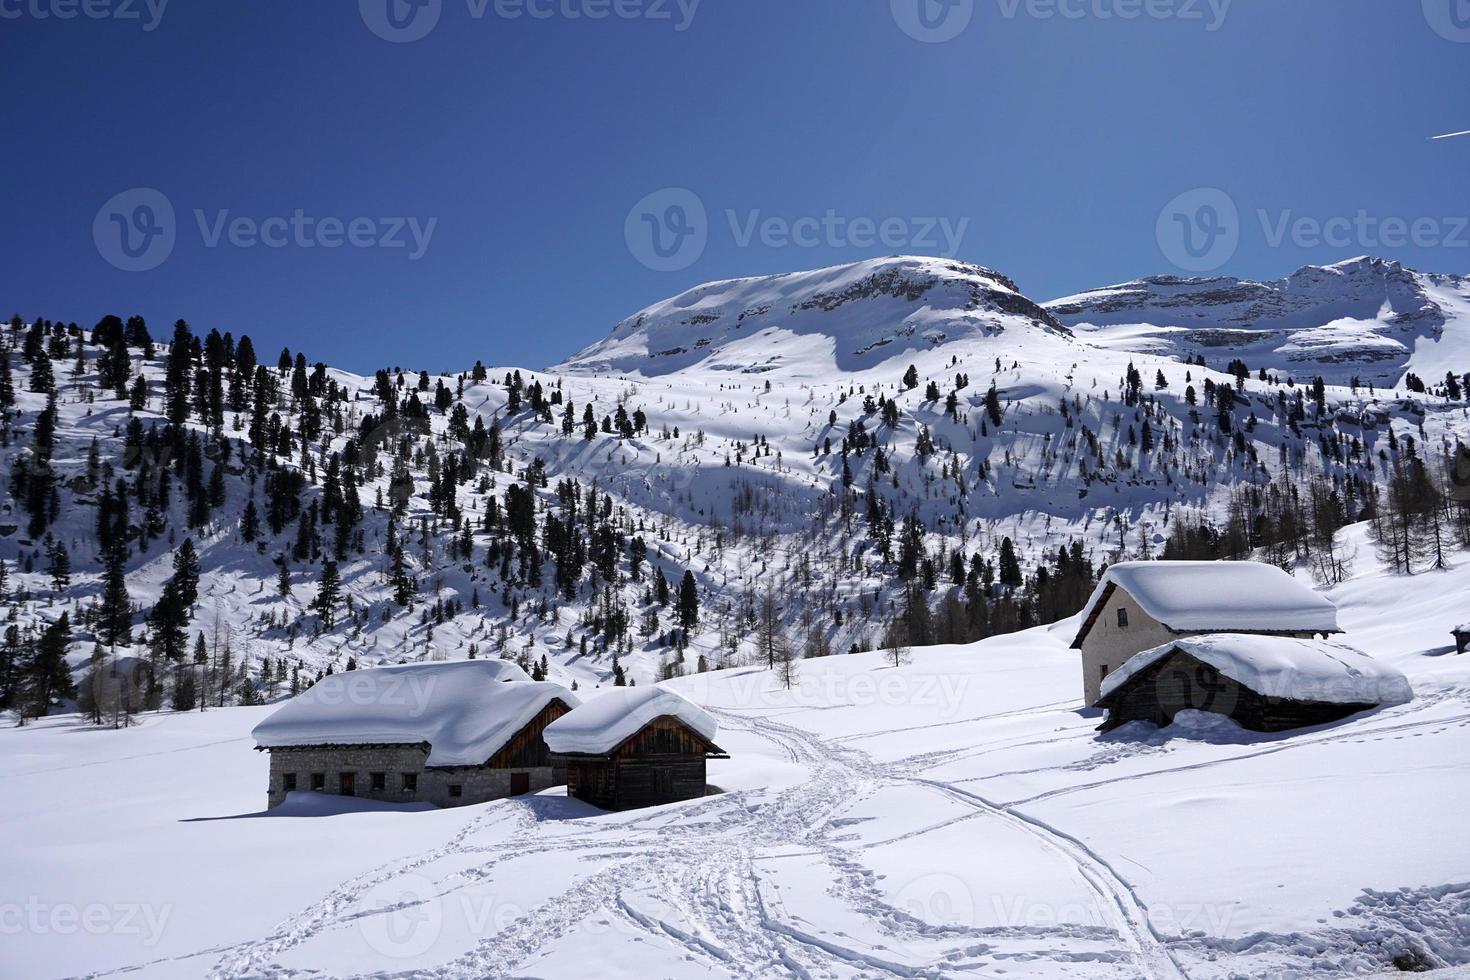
(768, 627)
(785, 662)
(896, 643)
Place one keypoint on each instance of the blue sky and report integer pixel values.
(492, 187)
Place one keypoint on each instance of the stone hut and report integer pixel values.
(449, 734)
(1139, 605)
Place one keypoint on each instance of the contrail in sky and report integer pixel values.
(1451, 135)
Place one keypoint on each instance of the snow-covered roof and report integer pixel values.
(1282, 667)
(466, 710)
(1216, 596)
(607, 721)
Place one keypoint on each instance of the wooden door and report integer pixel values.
(520, 783)
(348, 784)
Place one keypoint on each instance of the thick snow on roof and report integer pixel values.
(605, 722)
(1282, 667)
(1220, 595)
(465, 710)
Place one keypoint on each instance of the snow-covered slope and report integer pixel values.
(844, 319)
(1366, 317)
(955, 816)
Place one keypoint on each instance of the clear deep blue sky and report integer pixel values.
(1058, 139)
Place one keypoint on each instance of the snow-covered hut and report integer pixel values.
(1139, 605)
(634, 747)
(1266, 683)
(450, 734)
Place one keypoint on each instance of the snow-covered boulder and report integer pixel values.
(1321, 671)
(465, 710)
(599, 726)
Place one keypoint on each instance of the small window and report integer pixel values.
(380, 781)
(318, 782)
(410, 782)
(455, 791)
(1122, 619)
(1102, 672)
(288, 782)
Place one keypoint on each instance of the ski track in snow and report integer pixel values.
(708, 870)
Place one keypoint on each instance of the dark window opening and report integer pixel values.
(288, 782)
(1122, 619)
(347, 783)
(410, 782)
(318, 782)
(520, 783)
(380, 781)
(455, 790)
(1103, 672)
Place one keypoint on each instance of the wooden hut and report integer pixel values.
(1265, 683)
(635, 747)
(449, 734)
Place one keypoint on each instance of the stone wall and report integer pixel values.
(322, 768)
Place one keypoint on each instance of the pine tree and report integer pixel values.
(688, 606)
(186, 574)
(179, 377)
(47, 676)
(249, 522)
(58, 565)
(329, 593)
(1010, 566)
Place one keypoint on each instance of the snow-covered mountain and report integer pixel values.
(1367, 318)
(840, 437)
(820, 324)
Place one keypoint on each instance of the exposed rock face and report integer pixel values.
(1360, 317)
